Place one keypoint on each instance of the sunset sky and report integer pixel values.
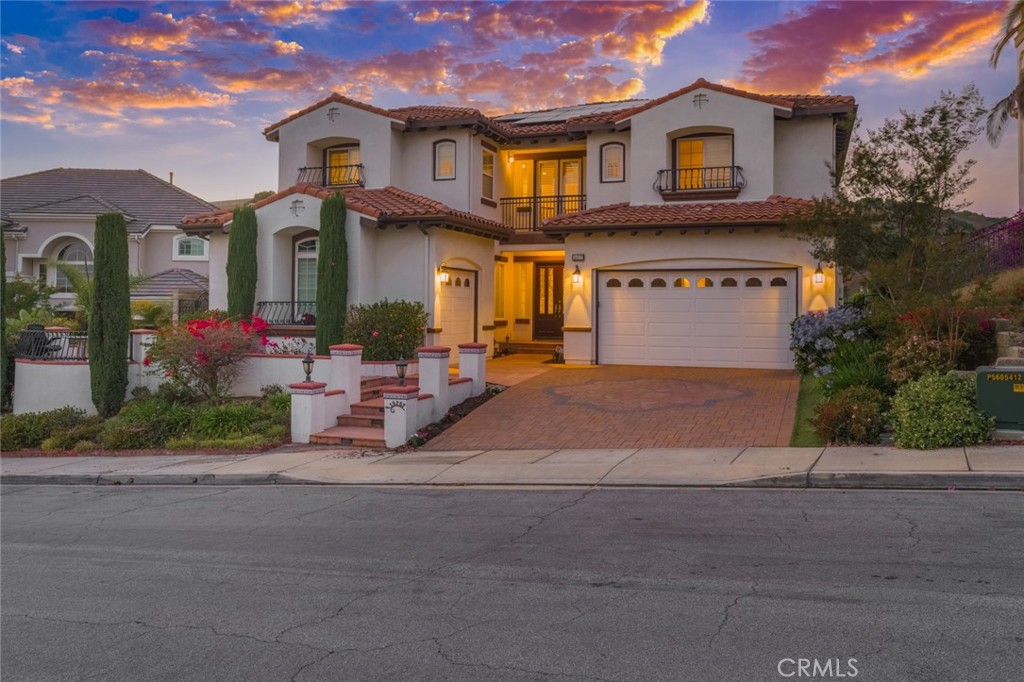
(188, 86)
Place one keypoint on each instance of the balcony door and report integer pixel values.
(342, 166)
(559, 186)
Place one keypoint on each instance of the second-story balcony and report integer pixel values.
(716, 182)
(524, 214)
(333, 176)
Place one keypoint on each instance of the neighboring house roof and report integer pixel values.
(617, 217)
(145, 199)
(389, 205)
(164, 284)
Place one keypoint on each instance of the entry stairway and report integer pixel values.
(364, 427)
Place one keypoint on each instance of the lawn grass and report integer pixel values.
(811, 395)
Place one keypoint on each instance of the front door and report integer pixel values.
(547, 301)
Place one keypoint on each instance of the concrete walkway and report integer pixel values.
(988, 467)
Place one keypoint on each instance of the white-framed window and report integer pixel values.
(189, 248)
(75, 255)
(613, 162)
(487, 186)
(444, 160)
(305, 269)
(704, 161)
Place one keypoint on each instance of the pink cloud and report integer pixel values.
(817, 46)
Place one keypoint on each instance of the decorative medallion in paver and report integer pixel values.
(642, 395)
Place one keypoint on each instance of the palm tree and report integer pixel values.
(82, 284)
(1012, 104)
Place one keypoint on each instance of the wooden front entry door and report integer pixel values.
(547, 301)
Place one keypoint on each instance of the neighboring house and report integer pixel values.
(50, 217)
(636, 232)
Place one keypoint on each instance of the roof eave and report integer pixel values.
(555, 230)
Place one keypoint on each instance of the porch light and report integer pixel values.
(819, 275)
(298, 206)
(511, 157)
(577, 276)
(400, 370)
(443, 275)
(307, 365)
(333, 113)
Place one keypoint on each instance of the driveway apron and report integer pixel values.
(633, 407)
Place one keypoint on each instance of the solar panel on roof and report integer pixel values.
(562, 114)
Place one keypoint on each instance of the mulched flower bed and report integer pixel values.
(453, 415)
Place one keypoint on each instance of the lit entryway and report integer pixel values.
(696, 318)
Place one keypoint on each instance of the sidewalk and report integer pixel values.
(986, 468)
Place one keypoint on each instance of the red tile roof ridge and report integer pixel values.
(332, 98)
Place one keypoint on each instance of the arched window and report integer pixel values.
(76, 256)
(458, 281)
(753, 281)
(189, 248)
(613, 162)
(636, 282)
(704, 283)
(728, 282)
(444, 160)
(305, 269)
(613, 283)
(779, 282)
(657, 282)
(465, 283)
(682, 283)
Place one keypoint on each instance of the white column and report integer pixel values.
(434, 362)
(401, 405)
(347, 373)
(308, 414)
(473, 364)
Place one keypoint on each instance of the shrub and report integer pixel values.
(914, 356)
(938, 411)
(387, 330)
(204, 357)
(815, 335)
(278, 403)
(857, 363)
(109, 315)
(86, 430)
(242, 262)
(29, 430)
(331, 274)
(227, 421)
(852, 417)
(979, 343)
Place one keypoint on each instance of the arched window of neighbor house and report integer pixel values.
(76, 256)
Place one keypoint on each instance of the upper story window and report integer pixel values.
(189, 248)
(702, 168)
(487, 173)
(444, 160)
(342, 166)
(76, 256)
(613, 162)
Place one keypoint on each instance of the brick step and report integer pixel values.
(375, 406)
(375, 420)
(535, 347)
(357, 436)
(371, 386)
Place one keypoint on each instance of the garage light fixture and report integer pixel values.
(819, 275)
(443, 275)
(577, 276)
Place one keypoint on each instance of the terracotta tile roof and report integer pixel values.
(333, 97)
(434, 113)
(387, 204)
(630, 216)
(144, 198)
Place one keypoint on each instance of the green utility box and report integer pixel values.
(1001, 395)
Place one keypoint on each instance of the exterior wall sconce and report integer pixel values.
(333, 114)
(511, 157)
(819, 276)
(577, 276)
(307, 366)
(443, 276)
(400, 370)
(298, 206)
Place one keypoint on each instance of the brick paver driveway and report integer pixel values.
(627, 407)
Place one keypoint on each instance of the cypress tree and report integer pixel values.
(241, 266)
(331, 274)
(3, 325)
(110, 316)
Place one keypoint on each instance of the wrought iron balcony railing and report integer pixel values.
(671, 180)
(39, 344)
(333, 176)
(527, 213)
(287, 312)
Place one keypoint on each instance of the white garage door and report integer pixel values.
(694, 318)
(456, 317)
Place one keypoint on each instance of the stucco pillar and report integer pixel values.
(347, 372)
(473, 364)
(308, 413)
(401, 405)
(434, 361)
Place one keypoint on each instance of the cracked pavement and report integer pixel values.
(323, 583)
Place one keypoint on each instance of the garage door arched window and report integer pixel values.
(613, 283)
(681, 283)
(74, 257)
(728, 282)
(658, 282)
(636, 282)
(779, 282)
(306, 252)
(754, 281)
(705, 283)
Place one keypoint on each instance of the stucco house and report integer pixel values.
(634, 232)
(50, 216)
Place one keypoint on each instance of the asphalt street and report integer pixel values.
(327, 583)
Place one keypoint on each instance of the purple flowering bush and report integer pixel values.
(814, 336)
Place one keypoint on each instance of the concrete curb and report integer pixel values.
(963, 480)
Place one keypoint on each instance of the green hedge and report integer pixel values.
(937, 411)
